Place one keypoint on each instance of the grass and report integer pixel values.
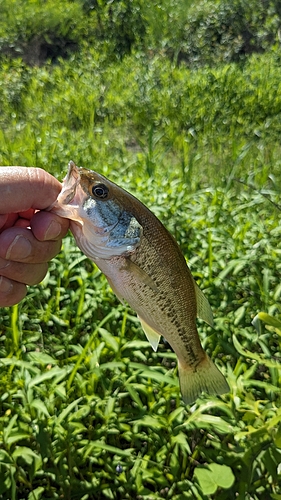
(84, 396)
(87, 409)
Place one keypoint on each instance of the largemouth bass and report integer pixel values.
(145, 267)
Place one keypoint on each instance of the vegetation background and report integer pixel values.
(180, 103)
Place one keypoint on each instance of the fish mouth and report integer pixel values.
(70, 183)
(69, 189)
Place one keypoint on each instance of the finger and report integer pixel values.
(7, 220)
(11, 292)
(3, 220)
(48, 226)
(28, 274)
(20, 245)
(27, 214)
(22, 188)
(22, 223)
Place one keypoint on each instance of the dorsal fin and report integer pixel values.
(204, 310)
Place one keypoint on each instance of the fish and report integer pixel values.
(145, 268)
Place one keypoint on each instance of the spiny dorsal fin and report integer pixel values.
(204, 310)
(152, 335)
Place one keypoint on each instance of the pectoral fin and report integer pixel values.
(140, 274)
(204, 310)
(152, 335)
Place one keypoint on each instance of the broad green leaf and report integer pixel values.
(223, 475)
(206, 480)
(213, 477)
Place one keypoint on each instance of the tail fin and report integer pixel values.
(206, 378)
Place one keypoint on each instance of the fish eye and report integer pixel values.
(100, 191)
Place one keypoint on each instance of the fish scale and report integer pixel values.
(145, 267)
(173, 315)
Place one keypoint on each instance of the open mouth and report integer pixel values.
(70, 184)
(69, 189)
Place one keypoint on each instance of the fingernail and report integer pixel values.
(20, 248)
(5, 285)
(53, 230)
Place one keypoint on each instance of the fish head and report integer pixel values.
(102, 226)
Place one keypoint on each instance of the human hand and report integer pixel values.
(29, 236)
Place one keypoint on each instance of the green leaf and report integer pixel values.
(53, 372)
(25, 454)
(206, 481)
(213, 477)
(16, 436)
(136, 344)
(5, 457)
(270, 320)
(277, 437)
(19, 363)
(36, 494)
(155, 375)
(223, 475)
(109, 339)
(40, 407)
(252, 355)
(207, 421)
(181, 439)
(10, 425)
(112, 449)
(134, 395)
(67, 410)
(41, 358)
(148, 421)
